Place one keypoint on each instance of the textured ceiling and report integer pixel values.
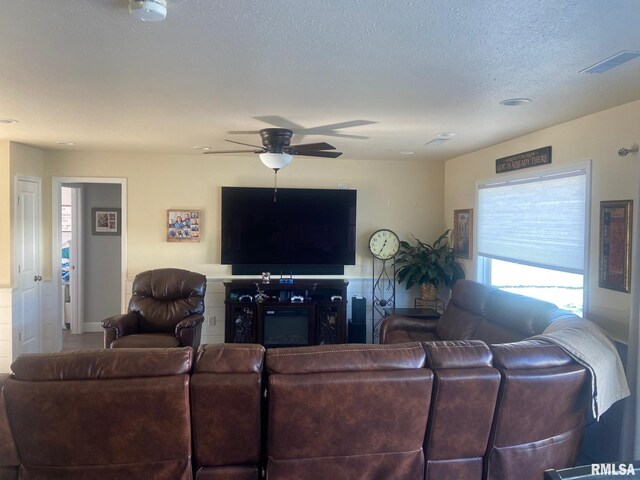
(85, 71)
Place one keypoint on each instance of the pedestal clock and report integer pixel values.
(383, 245)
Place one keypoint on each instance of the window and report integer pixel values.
(532, 235)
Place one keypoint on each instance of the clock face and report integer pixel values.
(384, 244)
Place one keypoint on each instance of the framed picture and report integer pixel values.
(184, 225)
(105, 221)
(615, 245)
(463, 233)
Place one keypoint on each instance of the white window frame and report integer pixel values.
(483, 270)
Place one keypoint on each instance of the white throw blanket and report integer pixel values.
(589, 346)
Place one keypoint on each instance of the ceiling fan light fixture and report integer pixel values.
(148, 10)
(276, 161)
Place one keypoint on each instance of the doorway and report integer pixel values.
(88, 266)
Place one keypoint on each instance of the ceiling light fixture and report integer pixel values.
(66, 143)
(148, 10)
(515, 102)
(275, 161)
(8, 120)
(612, 62)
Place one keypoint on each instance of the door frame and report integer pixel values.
(56, 268)
(38, 182)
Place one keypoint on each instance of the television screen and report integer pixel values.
(302, 227)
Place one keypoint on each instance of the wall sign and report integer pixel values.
(532, 158)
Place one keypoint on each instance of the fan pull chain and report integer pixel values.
(275, 183)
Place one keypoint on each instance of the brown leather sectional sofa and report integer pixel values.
(447, 409)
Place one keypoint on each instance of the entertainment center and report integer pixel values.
(306, 312)
(302, 231)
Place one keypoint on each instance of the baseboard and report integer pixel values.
(92, 327)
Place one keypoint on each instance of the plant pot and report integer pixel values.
(428, 292)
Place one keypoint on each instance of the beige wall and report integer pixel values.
(15, 159)
(596, 137)
(404, 196)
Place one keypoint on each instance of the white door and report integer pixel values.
(26, 315)
(75, 263)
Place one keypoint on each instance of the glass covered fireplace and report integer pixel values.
(286, 326)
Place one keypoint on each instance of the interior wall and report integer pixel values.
(405, 196)
(596, 137)
(101, 256)
(15, 159)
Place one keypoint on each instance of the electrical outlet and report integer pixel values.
(343, 186)
(212, 320)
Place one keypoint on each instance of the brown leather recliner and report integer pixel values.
(9, 460)
(102, 414)
(226, 394)
(166, 310)
(345, 411)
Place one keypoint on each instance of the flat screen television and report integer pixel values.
(303, 231)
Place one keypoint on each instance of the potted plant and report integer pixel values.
(429, 266)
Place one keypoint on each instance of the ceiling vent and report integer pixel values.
(437, 141)
(612, 62)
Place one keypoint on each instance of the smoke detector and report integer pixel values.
(148, 10)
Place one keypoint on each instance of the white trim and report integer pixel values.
(76, 278)
(56, 184)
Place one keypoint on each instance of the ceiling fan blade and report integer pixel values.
(232, 151)
(319, 154)
(312, 146)
(279, 122)
(339, 135)
(336, 126)
(243, 132)
(240, 143)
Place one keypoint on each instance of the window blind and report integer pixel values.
(537, 221)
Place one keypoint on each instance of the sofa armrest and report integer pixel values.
(190, 322)
(529, 354)
(400, 322)
(189, 330)
(119, 326)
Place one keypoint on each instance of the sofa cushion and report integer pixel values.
(525, 315)
(226, 394)
(456, 323)
(103, 417)
(347, 411)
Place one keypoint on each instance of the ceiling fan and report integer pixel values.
(277, 152)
